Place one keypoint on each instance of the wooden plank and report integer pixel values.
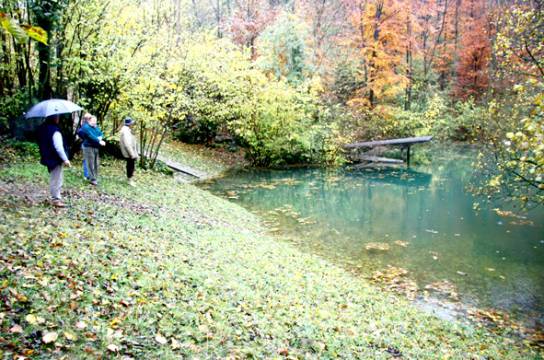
(381, 159)
(400, 142)
(182, 168)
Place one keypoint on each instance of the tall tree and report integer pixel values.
(472, 70)
(379, 35)
(250, 18)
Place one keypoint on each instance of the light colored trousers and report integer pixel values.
(55, 181)
(91, 160)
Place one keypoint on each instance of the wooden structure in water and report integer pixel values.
(404, 143)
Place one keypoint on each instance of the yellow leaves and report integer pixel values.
(28, 352)
(50, 337)
(36, 33)
(114, 323)
(34, 320)
(70, 336)
(496, 181)
(18, 296)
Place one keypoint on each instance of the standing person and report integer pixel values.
(84, 120)
(127, 141)
(53, 155)
(92, 140)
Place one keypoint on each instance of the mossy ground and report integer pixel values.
(167, 270)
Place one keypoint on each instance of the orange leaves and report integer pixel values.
(380, 37)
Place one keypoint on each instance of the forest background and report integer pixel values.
(291, 81)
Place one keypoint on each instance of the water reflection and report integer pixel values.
(492, 260)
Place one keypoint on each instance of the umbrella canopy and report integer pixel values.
(52, 107)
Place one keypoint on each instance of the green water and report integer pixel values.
(491, 260)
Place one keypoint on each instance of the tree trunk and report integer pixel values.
(44, 54)
(372, 65)
(409, 66)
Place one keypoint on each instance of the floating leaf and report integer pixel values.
(444, 287)
(376, 246)
(402, 243)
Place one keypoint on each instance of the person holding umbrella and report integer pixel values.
(53, 150)
(53, 155)
(92, 140)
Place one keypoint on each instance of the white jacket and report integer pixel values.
(127, 142)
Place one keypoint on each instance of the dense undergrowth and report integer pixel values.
(166, 270)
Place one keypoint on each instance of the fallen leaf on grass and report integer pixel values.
(81, 325)
(175, 344)
(28, 352)
(160, 339)
(115, 322)
(16, 329)
(33, 319)
(113, 348)
(70, 336)
(50, 337)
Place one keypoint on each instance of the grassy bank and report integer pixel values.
(212, 161)
(166, 270)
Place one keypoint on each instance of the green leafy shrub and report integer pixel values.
(12, 107)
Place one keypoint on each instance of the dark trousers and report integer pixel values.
(130, 167)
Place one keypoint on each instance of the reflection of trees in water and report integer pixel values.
(353, 208)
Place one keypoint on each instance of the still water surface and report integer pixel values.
(492, 260)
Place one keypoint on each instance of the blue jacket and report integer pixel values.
(90, 135)
(49, 155)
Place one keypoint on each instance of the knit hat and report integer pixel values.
(129, 121)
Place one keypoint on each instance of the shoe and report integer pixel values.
(131, 183)
(94, 182)
(58, 204)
